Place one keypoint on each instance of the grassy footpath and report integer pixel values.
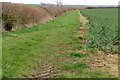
(23, 48)
(57, 40)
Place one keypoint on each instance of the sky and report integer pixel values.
(70, 2)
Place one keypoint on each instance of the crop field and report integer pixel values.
(71, 43)
(103, 31)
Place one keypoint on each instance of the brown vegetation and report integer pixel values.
(15, 16)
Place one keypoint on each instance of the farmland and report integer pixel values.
(62, 46)
(103, 31)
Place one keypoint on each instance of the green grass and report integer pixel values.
(0, 55)
(81, 72)
(103, 31)
(76, 47)
(85, 74)
(31, 45)
(77, 54)
(81, 38)
(76, 66)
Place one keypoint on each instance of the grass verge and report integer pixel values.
(28, 46)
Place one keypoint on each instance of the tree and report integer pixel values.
(59, 2)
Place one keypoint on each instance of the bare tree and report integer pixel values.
(59, 2)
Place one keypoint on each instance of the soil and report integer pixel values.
(83, 19)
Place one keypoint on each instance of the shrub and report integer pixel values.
(20, 14)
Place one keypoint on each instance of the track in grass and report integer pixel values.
(56, 49)
(30, 47)
(45, 70)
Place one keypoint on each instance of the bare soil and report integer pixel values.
(83, 19)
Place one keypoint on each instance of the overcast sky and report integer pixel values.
(71, 2)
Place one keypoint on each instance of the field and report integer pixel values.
(103, 31)
(63, 47)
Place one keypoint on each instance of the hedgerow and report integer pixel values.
(15, 16)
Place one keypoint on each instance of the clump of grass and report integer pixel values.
(80, 38)
(76, 47)
(79, 65)
(67, 65)
(73, 32)
(74, 39)
(77, 54)
(74, 42)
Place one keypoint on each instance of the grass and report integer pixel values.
(77, 54)
(81, 38)
(80, 65)
(30, 45)
(81, 73)
(75, 47)
(0, 55)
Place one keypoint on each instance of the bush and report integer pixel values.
(18, 15)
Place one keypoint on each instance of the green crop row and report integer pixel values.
(103, 29)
